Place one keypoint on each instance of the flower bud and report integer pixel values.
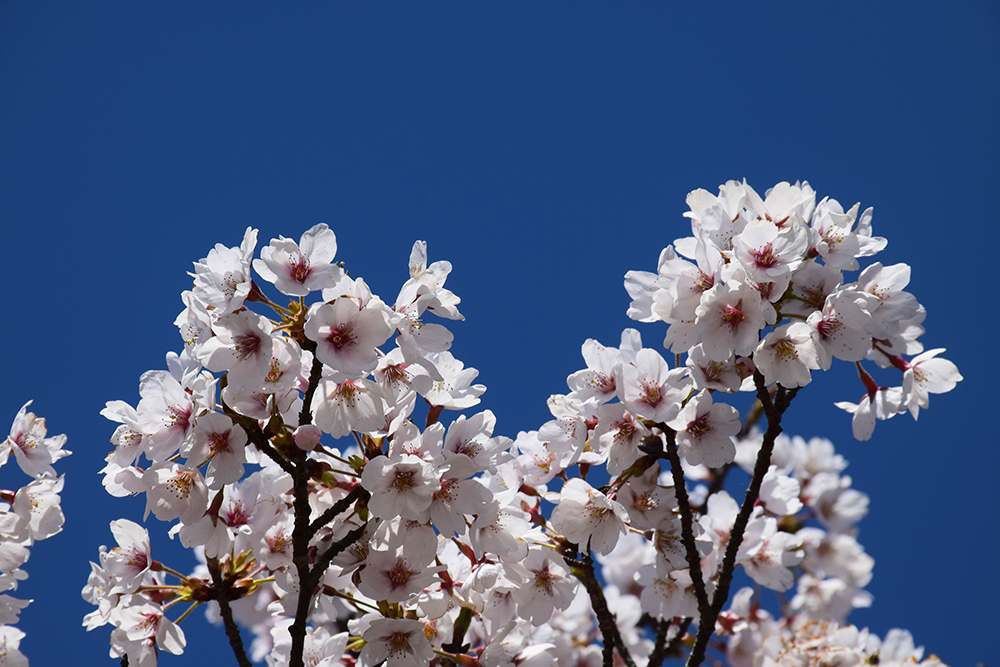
(307, 436)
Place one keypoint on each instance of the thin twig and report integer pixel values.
(662, 649)
(300, 555)
(605, 619)
(335, 549)
(305, 415)
(232, 630)
(257, 437)
(338, 508)
(773, 410)
(687, 529)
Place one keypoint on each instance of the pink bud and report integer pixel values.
(307, 436)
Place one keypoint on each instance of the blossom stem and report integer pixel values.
(186, 612)
(160, 567)
(333, 592)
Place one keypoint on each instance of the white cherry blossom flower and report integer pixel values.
(35, 453)
(767, 553)
(396, 642)
(142, 628)
(222, 443)
(788, 354)
(598, 380)
(10, 647)
(768, 251)
(927, 374)
(433, 295)
(397, 575)
(128, 563)
(730, 318)
(299, 268)
(351, 405)
(887, 303)
(38, 505)
(346, 335)
(222, 280)
(242, 347)
(550, 587)
(127, 438)
(454, 391)
(882, 403)
(402, 486)
(175, 492)
(589, 518)
(835, 239)
(705, 430)
(650, 389)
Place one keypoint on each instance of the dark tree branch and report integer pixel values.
(300, 555)
(773, 410)
(605, 619)
(232, 630)
(335, 550)
(687, 529)
(305, 415)
(662, 649)
(674, 647)
(338, 508)
(260, 441)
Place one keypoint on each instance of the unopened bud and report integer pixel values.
(307, 437)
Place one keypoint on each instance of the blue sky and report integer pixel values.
(544, 149)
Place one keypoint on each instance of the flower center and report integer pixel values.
(764, 258)
(652, 394)
(340, 337)
(699, 427)
(301, 270)
(733, 316)
(246, 345)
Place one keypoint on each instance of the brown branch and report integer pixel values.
(687, 528)
(773, 410)
(605, 619)
(232, 630)
(335, 550)
(260, 441)
(662, 649)
(338, 508)
(305, 415)
(300, 555)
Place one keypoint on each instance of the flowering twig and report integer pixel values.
(605, 619)
(663, 649)
(687, 529)
(232, 630)
(338, 508)
(774, 408)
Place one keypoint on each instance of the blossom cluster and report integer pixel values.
(27, 515)
(302, 454)
(775, 266)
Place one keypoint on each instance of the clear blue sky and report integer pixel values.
(544, 149)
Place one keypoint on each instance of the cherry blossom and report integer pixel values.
(299, 268)
(588, 517)
(321, 493)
